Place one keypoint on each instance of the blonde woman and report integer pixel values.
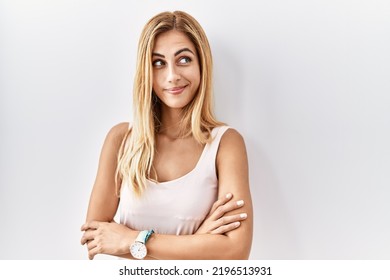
(177, 176)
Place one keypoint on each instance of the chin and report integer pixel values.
(176, 106)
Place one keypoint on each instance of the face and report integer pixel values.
(176, 73)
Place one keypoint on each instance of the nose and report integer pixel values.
(173, 74)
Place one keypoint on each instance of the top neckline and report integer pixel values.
(185, 175)
(214, 133)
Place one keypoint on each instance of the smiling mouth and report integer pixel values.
(176, 90)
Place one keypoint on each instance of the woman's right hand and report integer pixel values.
(217, 221)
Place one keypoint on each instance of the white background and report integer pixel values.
(307, 83)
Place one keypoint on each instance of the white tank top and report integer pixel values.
(178, 206)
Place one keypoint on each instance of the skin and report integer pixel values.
(176, 78)
(175, 71)
(226, 232)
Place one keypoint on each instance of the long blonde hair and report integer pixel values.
(137, 151)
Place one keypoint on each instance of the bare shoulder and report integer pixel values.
(232, 150)
(232, 143)
(232, 137)
(116, 134)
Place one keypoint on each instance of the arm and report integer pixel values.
(104, 202)
(114, 239)
(103, 205)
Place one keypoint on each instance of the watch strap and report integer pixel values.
(144, 235)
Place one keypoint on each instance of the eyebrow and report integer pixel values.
(176, 53)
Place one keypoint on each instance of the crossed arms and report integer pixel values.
(225, 233)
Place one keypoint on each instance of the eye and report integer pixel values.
(185, 60)
(158, 63)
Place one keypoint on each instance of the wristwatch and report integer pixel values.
(138, 249)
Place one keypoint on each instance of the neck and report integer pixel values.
(171, 123)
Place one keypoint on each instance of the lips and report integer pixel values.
(176, 90)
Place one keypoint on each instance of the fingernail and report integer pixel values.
(229, 195)
(240, 203)
(237, 224)
(243, 216)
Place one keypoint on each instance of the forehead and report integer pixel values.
(171, 41)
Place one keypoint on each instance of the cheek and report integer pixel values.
(193, 75)
(196, 79)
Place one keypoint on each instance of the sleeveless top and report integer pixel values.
(178, 206)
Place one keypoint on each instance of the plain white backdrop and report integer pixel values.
(307, 83)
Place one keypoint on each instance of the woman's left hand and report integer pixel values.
(106, 238)
(218, 221)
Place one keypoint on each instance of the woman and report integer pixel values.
(167, 169)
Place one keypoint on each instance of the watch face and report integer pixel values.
(138, 250)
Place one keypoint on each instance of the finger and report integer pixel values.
(93, 252)
(223, 209)
(225, 220)
(91, 256)
(226, 228)
(90, 225)
(92, 244)
(87, 236)
(231, 219)
(221, 201)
